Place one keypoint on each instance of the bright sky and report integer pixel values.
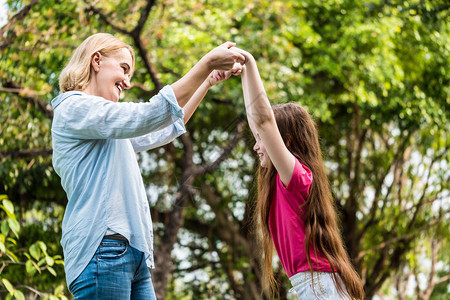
(2, 13)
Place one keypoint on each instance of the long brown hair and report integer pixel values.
(299, 133)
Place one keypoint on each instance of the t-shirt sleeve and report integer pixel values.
(301, 179)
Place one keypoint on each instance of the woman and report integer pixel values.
(107, 230)
(294, 210)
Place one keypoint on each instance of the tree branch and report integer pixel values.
(431, 282)
(401, 238)
(145, 91)
(210, 167)
(168, 70)
(147, 63)
(136, 32)
(105, 18)
(220, 101)
(422, 197)
(378, 189)
(135, 35)
(26, 153)
(18, 17)
(30, 96)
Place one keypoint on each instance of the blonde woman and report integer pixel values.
(107, 234)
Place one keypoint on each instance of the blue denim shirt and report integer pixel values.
(94, 145)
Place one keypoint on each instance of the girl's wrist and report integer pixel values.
(207, 83)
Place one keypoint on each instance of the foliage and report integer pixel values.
(33, 261)
(374, 74)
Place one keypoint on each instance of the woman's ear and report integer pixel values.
(96, 61)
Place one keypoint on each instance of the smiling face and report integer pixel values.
(110, 75)
(261, 151)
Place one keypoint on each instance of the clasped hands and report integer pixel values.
(226, 60)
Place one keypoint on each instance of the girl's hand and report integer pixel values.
(217, 76)
(248, 56)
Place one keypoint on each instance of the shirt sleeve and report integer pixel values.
(90, 117)
(158, 138)
(301, 179)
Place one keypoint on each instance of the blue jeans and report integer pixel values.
(117, 271)
(324, 287)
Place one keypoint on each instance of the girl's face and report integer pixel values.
(261, 151)
(113, 76)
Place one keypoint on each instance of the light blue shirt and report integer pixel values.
(94, 145)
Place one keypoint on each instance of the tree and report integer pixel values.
(373, 74)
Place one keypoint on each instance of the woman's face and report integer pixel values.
(113, 75)
(261, 151)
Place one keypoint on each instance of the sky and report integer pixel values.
(2, 13)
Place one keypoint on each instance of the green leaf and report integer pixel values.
(29, 267)
(8, 286)
(41, 262)
(43, 246)
(36, 266)
(51, 270)
(35, 251)
(59, 289)
(49, 261)
(19, 295)
(2, 247)
(12, 241)
(15, 227)
(8, 206)
(5, 227)
(11, 255)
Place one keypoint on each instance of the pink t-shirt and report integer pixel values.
(286, 223)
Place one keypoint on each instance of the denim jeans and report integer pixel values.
(324, 287)
(116, 271)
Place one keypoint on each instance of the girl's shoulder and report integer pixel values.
(301, 178)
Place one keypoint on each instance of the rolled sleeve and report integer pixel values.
(168, 94)
(84, 116)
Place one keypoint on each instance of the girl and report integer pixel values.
(107, 234)
(294, 209)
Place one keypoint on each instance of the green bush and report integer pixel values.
(18, 262)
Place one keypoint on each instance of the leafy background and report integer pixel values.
(374, 74)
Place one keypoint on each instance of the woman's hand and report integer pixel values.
(224, 57)
(248, 56)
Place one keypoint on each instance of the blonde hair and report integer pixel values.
(77, 74)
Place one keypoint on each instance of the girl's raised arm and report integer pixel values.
(262, 120)
(215, 77)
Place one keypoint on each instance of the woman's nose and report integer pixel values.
(255, 146)
(126, 84)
